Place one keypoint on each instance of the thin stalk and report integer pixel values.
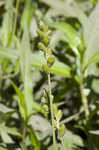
(62, 144)
(16, 14)
(24, 135)
(83, 95)
(51, 109)
(84, 100)
(72, 117)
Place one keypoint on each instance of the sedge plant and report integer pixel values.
(44, 34)
(50, 106)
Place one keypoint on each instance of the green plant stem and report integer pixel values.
(62, 144)
(84, 100)
(24, 135)
(82, 88)
(16, 14)
(51, 109)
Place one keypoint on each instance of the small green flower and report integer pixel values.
(45, 68)
(50, 60)
(46, 40)
(62, 130)
(42, 47)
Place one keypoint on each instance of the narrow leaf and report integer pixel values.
(25, 65)
(65, 8)
(21, 102)
(11, 131)
(94, 59)
(35, 142)
(91, 34)
(8, 53)
(72, 36)
(27, 14)
(6, 138)
(96, 132)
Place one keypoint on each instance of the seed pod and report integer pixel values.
(43, 100)
(41, 24)
(48, 33)
(46, 108)
(55, 123)
(42, 47)
(41, 34)
(50, 60)
(46, 68)
(43, 27)
(49, 52)
(62, 130)
(46, 40)
(55, 109)
(59, 115)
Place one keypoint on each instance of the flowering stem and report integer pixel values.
(51, 109)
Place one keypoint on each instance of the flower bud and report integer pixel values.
(59, 115)
(43, 27)
(50, 60)
(43, 100)
(46, 40)
(42, 47)
(49, 32)
(46, 68)
(49, 52)
(41, 34)
(45, 107)
(62, 130)
(55, 109)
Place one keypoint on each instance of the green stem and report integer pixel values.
(84, 100)
(16, 14)
(24, 135)
(51, 109)
(72, 117)
(62, 142)
(83, 95)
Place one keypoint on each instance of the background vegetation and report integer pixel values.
(49, 75)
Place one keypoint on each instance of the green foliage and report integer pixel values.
(49, 74)
(34, 140)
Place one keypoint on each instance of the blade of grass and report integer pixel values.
(8, 53)
(25, 64)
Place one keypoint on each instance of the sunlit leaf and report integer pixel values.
(42, 125)
(2, 148)
(96, 132)
(12, 131)
(71, 139)
(91, 35)
(65, 8)
(7, 24)
(72, 37)
(25, 65)
(58, 68)
(27, 14)
(95, 85)
(6, 138)
(94, 59)
(8, 53)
